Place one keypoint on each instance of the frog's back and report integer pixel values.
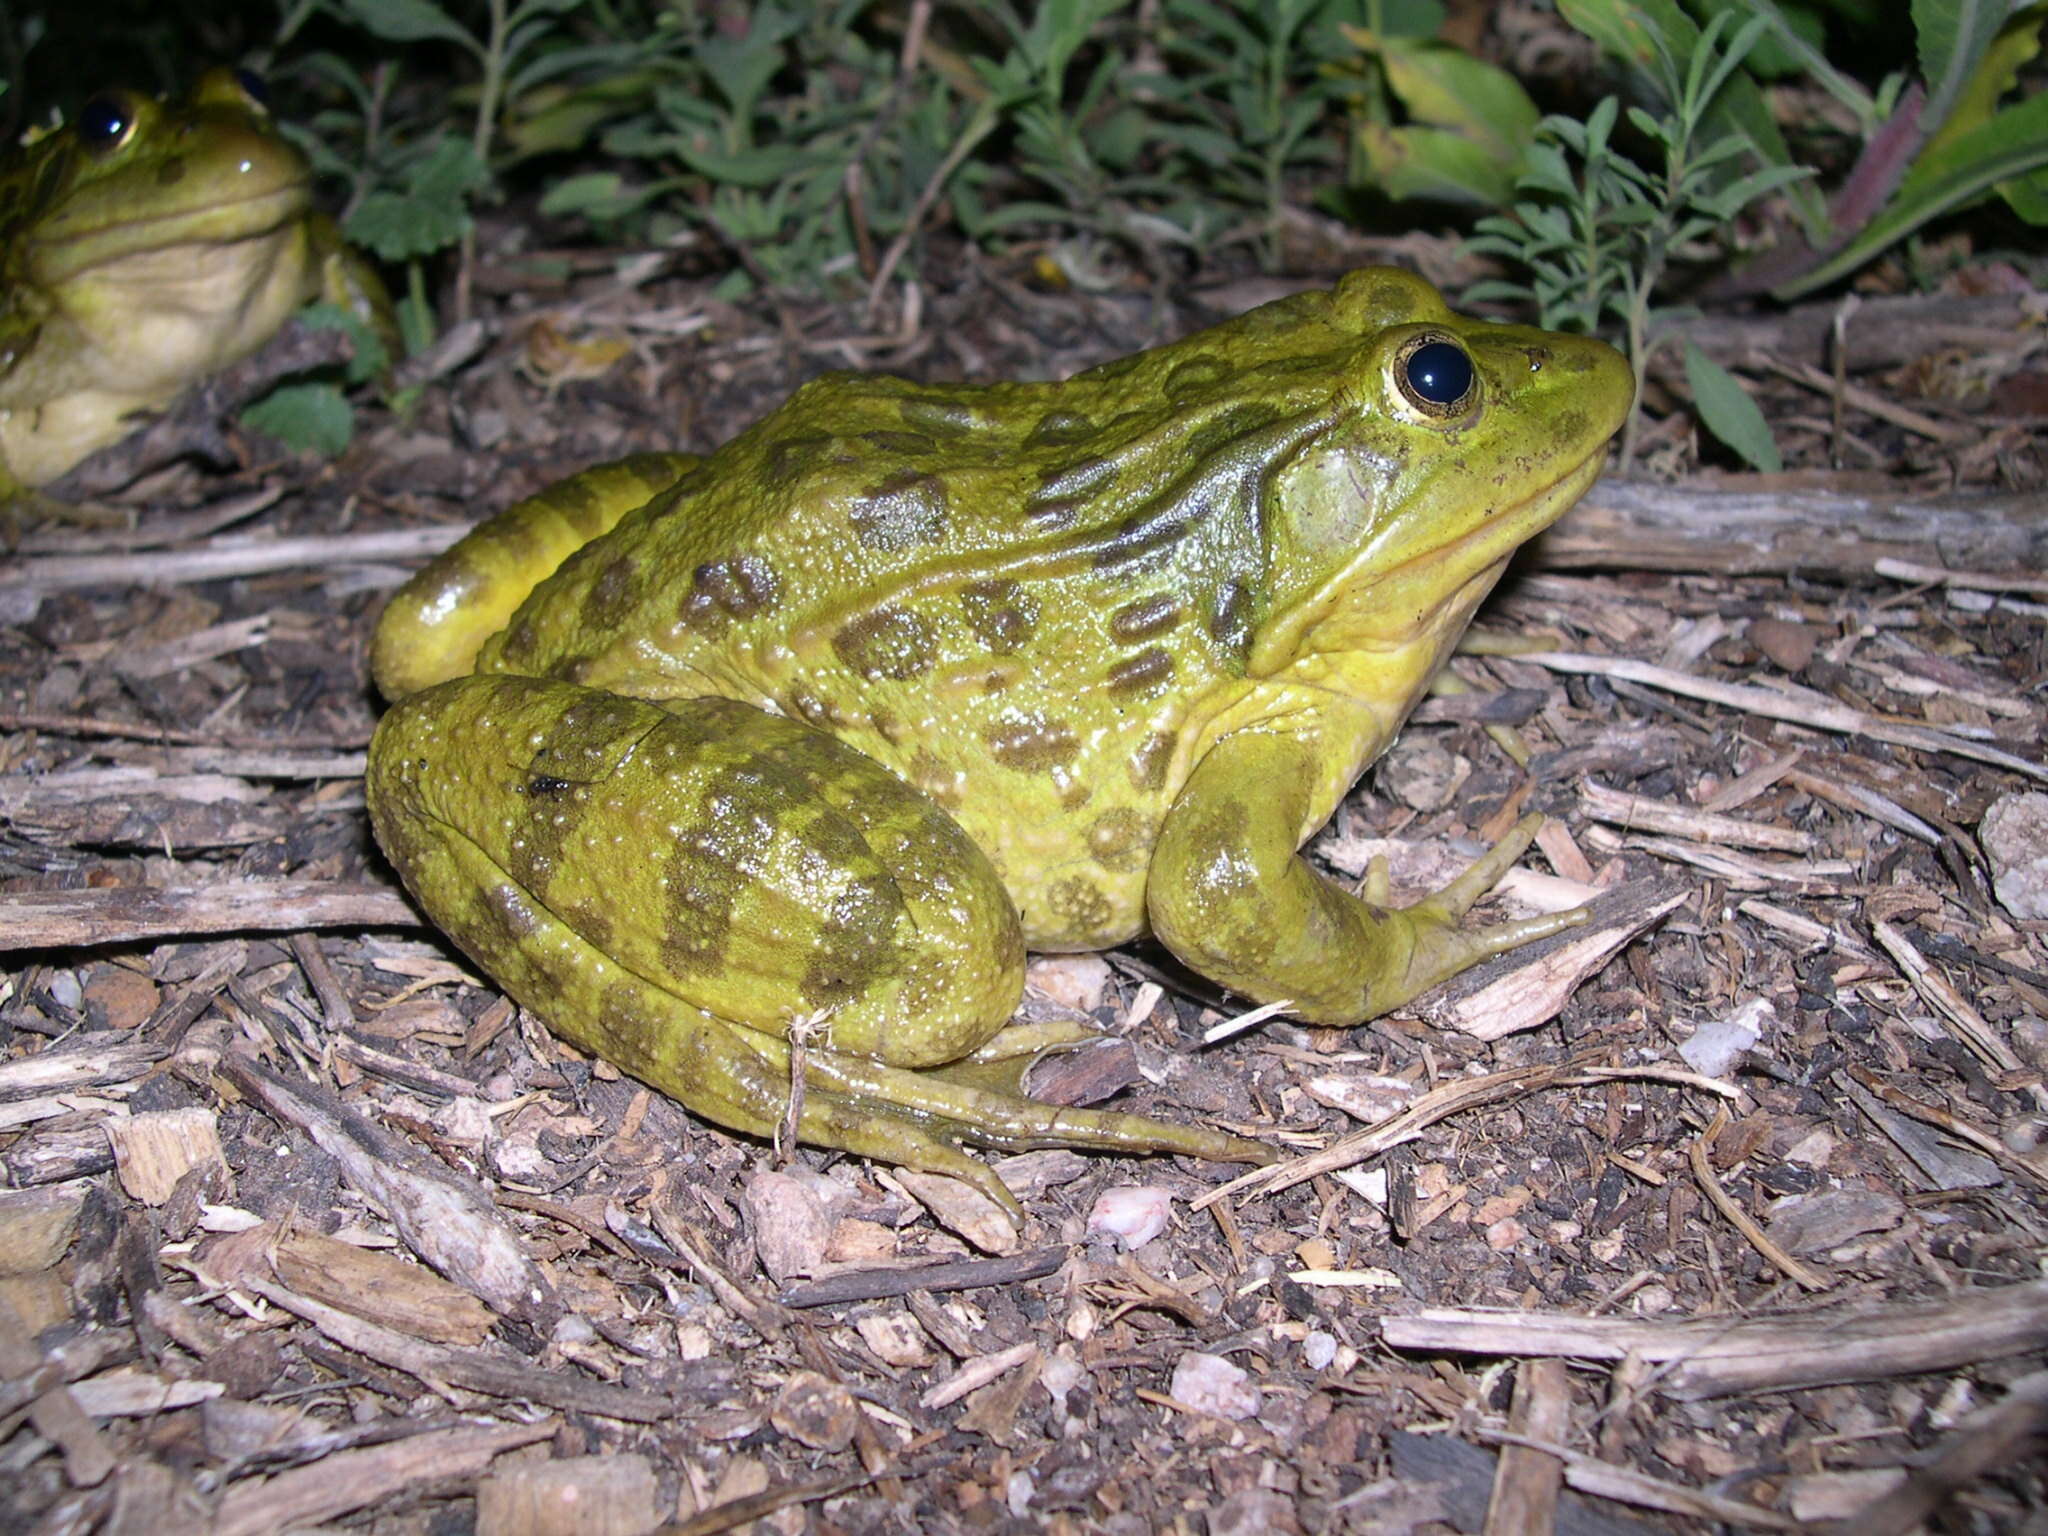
(1040, 603)
(1018, 597)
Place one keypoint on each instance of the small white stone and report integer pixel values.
(1211, 1384)
(2014, 833)
(1133, 1214)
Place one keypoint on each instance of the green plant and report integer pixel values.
(795, 181)
(1434, 122)
(313, 414)
(1597, 231)
(1261, 83)
(1932, 144)
(413, 193)
(1090, 149)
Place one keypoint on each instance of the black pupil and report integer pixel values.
(1440, 373)
(252, 84)
(102, 121)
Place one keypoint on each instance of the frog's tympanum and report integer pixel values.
(822, 732)
(143, 246)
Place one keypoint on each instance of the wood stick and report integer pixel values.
(124, 914)
(1720, 1357)
(1527, 1481)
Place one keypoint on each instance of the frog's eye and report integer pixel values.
(106, 122)
(1437, 377)
(253, 86)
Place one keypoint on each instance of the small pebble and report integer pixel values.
(2014, 833)
(1211, 1384)
(1133, 1214)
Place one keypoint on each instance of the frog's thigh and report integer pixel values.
(434, 625)
(743, 866)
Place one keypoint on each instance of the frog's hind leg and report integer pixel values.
(673, 888)
(434, 626)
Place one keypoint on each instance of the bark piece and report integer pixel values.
(448, 1221)
(153, 1150)
(571, 1496)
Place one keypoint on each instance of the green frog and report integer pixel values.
(143, 246)
(784, 756)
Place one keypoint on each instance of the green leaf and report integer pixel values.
(1796, 46)
(1995, 74)
(2012, 147)
(1954, 36)
(1796, 41)
(369, 357)
(2027, 196)
(411, 21)
(1726, 410)
(594, 194)
(1433, 163)
(1654, 34)
(1472, 124)
(307, 418)
(431, 214)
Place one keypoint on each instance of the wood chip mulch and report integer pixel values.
(1726, 1210)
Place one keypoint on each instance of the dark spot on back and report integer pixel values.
(1149, 763)
(947, 417)
(1224, 435)
(1148, 531)
(1122, 839)
(907, 445)
(907, 509)
(1065, 491)
(1084, 477)
(724, 590)
(815, 709)
(789, 459)
(522, 640)
(508, 912)
(1003, 615)
(1144, 673)
(1033, 744)
(591, 924)
(1230, 618)
(1198, 375)
(1059, 429)
(1147, 617)
(889, 642)
(935, 778)
(854, 945)
(611, 596)
(1079, 904)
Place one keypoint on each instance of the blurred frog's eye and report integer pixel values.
(253, 86)
(1437, 377)
(105, 122)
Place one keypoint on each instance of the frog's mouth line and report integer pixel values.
(249, 217)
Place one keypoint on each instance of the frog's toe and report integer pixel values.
(1011, 1122)
(1485, 872)
(1434, 948)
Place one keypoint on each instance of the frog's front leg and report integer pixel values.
(674, 887)
(1228, 894)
